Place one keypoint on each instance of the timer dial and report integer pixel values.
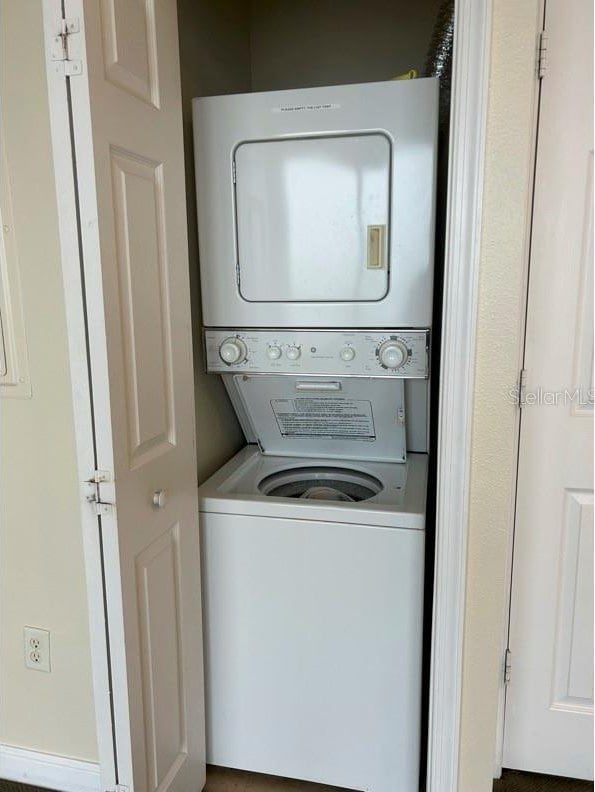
(233, 351)
(392, 354)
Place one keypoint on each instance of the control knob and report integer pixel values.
(392, 354)
(347, 354)
(293, 352)
(274, 352)
(233, 351)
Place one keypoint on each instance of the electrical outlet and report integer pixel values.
(37, 649)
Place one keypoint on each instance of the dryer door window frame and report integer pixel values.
(312, 217)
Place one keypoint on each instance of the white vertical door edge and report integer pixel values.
(471, 60)
(499, 748)
(80, 385)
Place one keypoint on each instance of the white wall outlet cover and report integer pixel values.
(37, 649)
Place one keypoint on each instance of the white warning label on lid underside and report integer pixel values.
(349, 419)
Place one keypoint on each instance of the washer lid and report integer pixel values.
(337, 417)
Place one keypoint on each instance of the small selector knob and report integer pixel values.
(293, 353)
(233, 351)
(392, 354)
(347, 354)
(274, 352)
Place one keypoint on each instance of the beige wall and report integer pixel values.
(297, 43)
(508, 171)
(214, 59)
(42, 580)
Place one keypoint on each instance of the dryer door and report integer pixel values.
(312, 218)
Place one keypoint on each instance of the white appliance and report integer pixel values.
(316, 206)
(313, 618)
(316, 216)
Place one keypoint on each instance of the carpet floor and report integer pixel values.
(220, 779)
(515, 781)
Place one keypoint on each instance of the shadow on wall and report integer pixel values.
(214, 59)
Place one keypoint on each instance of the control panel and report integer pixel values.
(358, 353)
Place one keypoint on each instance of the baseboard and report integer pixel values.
(48, 770)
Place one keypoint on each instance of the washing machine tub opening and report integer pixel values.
(321, 483)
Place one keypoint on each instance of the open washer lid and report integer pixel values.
(338, 417)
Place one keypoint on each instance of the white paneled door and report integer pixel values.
(549, 704)
(125, 118)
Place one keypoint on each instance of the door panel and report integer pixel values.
(130, 48)
(127, 123)
(141, 256)
(157, 576)
(572, 682)
(549, 703)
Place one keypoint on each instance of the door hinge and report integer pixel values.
(101, 477)
(507, 666)
(65, 48)
(542, 54)
(99, 506)
(522, 388)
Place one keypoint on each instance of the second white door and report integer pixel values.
(549, 704)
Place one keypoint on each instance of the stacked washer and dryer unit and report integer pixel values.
(316, 225)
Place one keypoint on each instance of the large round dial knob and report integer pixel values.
(293, 353)
(233, 351)
(392, 354)
(274, 352)
(347, 354)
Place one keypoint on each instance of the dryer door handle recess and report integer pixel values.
(318, 386)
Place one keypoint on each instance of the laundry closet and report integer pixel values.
(315, 153)
(296, 393)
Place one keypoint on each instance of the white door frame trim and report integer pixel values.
(471, 59)
(468, 122)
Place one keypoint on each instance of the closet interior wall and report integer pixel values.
(263, 45)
